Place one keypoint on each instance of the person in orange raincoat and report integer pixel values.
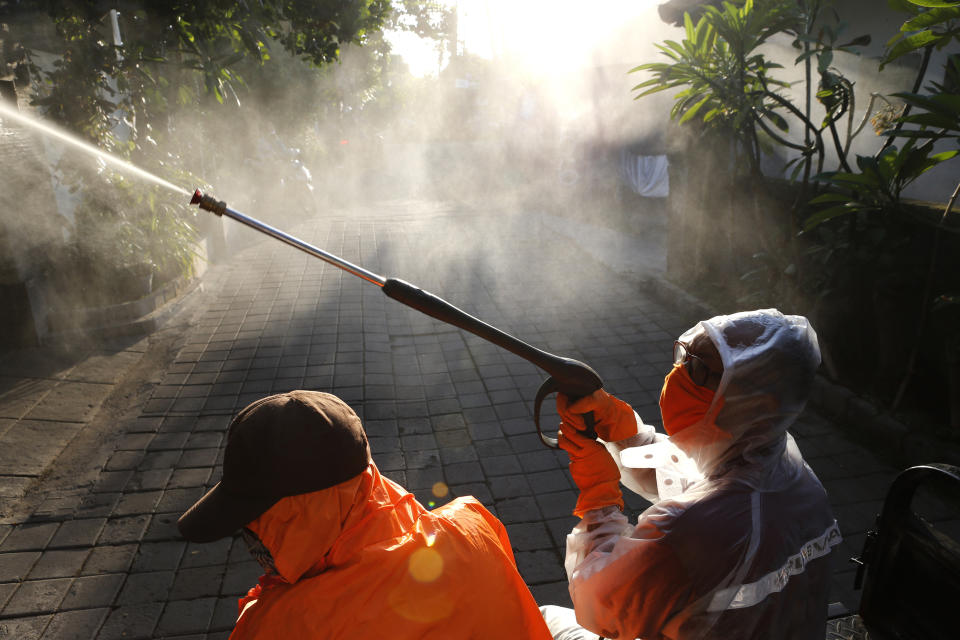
(346, 552)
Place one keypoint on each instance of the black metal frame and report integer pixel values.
(912, 570)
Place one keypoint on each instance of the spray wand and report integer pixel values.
(566, 375)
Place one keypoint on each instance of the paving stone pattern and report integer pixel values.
(447, 415)
(46, 398)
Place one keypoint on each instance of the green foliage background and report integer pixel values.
(185, 75)
(850, 250)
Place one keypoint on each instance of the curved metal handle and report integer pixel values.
(548, 387)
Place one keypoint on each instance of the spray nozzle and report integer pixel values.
(209, 203)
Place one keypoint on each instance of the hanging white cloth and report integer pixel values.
(648, 176)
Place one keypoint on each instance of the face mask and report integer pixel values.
(684, 403)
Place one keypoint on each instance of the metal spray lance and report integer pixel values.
(566, 375)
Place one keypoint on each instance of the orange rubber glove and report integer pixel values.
(614, 418)
(593, 469)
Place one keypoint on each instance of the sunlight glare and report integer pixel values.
(539, 34)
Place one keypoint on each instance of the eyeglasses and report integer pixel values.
(696, 367)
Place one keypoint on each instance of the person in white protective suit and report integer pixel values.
(736, 543)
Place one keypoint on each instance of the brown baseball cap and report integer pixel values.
(278, 446)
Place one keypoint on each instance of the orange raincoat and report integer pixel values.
(364, 559)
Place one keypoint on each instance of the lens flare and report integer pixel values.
(440, 490)
(425, 565)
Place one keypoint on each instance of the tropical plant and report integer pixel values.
(819, 39)
(933, 28)
(934, 25)
(879, 185)
(728, 82)
(861, 240)
(940, 118)
(876, 189)
(725, 83)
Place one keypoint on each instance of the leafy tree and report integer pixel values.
(124, 97)
(178, 54)
(427, 19)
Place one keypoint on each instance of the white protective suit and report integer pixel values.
(737, 540)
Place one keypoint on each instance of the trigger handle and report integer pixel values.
(548, 387)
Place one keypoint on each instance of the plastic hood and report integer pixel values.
(769, 362)
(311, 532)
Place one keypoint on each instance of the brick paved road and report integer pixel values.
(439, 405)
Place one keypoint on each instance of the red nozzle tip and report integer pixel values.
(197, 197)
